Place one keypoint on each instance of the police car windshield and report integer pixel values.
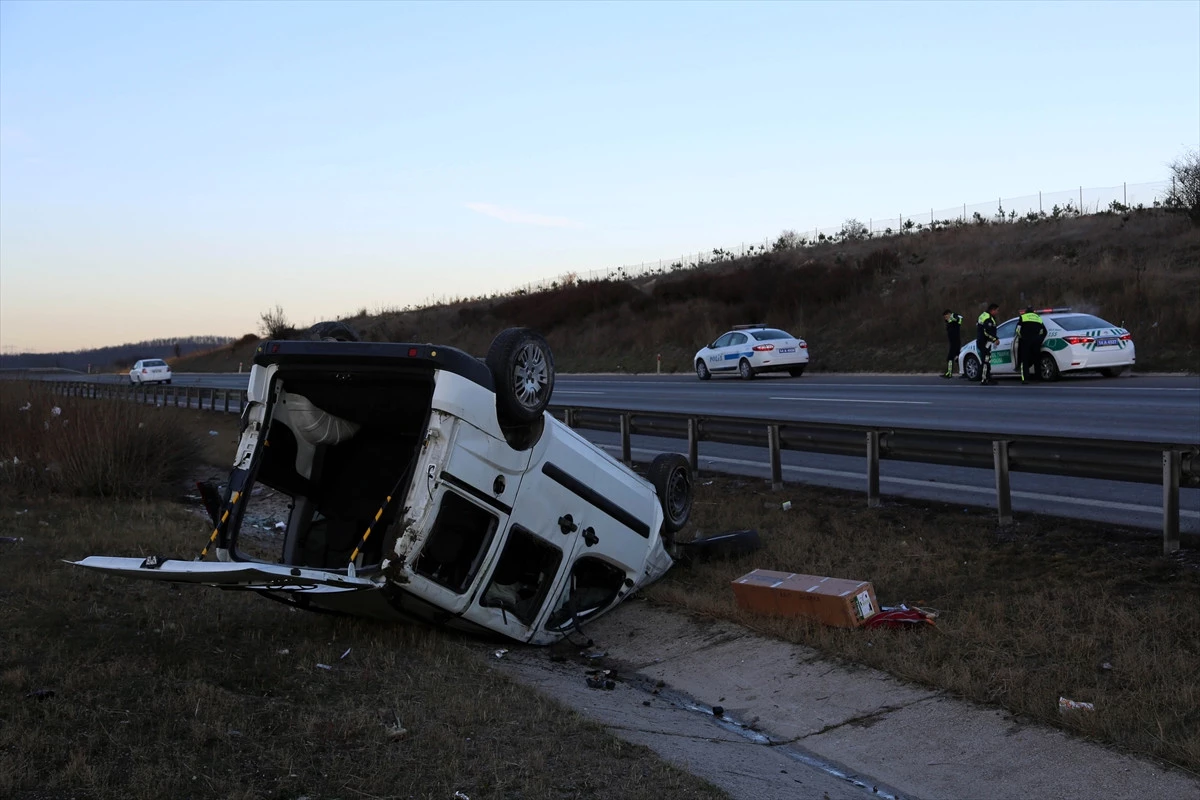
(1080, 322)
(767, 334)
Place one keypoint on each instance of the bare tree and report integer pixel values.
(274, 324)
(1185, 184)
(853, 229)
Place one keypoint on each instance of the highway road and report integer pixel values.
(1140, 408)
(1149, 409)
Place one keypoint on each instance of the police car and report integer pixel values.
(1075, 342)
(748, 350)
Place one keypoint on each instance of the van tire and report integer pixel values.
(331, 331)
(522, 368)
(672, 478)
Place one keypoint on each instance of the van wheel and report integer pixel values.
(1047, 368)
(672, 478)
(522, 368)
(971, 367)
(331, 332)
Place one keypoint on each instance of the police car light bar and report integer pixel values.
(1061, 310)
(748, 327)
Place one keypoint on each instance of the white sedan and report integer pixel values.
(150, 370)
(1075, 342)
(748, 350)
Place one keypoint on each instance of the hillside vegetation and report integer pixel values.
(862, 303)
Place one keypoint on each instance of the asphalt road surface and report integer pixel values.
(1139, 408)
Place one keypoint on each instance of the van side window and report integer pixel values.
(461, 536)
(593, 587)
(523, 575)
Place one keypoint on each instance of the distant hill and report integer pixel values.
(121, 356)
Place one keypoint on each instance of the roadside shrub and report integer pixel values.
(92, 448)
(274, 324)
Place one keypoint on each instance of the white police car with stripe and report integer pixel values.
(748, 350)
(1075, 342)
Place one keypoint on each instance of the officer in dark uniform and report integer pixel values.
(1031, 332)
(954, 338)
(985, 339)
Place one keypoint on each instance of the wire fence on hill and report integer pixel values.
(1067, 203)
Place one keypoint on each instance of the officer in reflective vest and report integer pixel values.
(985, 339)
(1031, 332)
(954, 338)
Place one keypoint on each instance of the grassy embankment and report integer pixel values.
(124, 689)
(153, 685)
(867, 305)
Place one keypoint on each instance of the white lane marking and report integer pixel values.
(848, 400)
(837, 473)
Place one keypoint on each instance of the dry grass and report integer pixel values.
(101, 448)
(191, 692)
(1027, 613)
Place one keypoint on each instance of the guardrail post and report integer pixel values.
(872, 469)
(1003, 494)
(776, 466)
(226, 393)
(626, 457)
(1171, 462)
(569, 417)
(694, 444)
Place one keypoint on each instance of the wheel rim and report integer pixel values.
(972, 369)
(701, 370)
(1047, 368)
(678, 494)
(531, 376)
(745, 369)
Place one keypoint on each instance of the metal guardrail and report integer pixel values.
(1172, 465)
(1169, 464)
(228, 401)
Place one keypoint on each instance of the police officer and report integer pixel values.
(1031, 332)
(954, 338)
(985, 339)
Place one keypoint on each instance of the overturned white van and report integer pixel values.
(429, 484)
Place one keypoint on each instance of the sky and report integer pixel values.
(169, 169)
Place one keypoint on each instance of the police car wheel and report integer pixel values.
(796, 372)
(1112, 372)
(522, 368)
(1048, 368)
(331, 331)
(745, 370)
(971, 368)
(672, 478)
(702, 371)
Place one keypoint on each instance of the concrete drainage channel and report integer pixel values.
(705, 740)
(763, 719)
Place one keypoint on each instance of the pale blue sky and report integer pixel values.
(174, 168)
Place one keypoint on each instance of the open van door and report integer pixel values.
(351, 594)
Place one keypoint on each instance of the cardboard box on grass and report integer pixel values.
(833, 601)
